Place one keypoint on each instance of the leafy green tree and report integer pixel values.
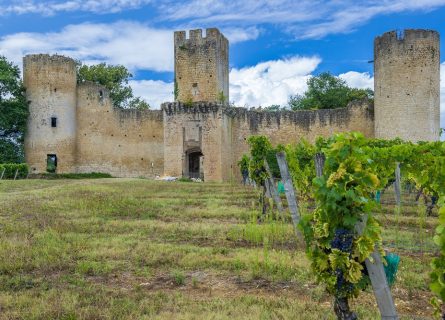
(115, 79)
(273, 108)
(13, 112)
(327, 91)
(139, 104)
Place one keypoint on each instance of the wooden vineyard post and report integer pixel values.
(289, 189)
(380, 286)
(16, 172)
(397, 185)
(268, 192)
(319, 164)
(272, 190)
(3, 173)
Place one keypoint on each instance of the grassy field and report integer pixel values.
(140, 249)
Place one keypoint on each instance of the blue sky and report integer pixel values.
(275, 45)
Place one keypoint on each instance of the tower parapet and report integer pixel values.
(407, 85)
(51, 89)
(201, 66)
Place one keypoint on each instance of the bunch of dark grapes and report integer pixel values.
(342, 240)
(342, 284)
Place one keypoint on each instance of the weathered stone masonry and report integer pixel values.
(207, 139)
(407, 82)
(201, 66)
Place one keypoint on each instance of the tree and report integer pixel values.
(115, 79)
(273, 108)
(327, 91)
(139, 104)
(13, 113)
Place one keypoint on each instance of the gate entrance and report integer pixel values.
(194, 164)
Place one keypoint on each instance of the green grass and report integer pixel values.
(92, 175)
(141, 249)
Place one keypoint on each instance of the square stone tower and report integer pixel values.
(201, 66)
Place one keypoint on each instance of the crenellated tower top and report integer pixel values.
(201, 66)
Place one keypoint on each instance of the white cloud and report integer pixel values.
(271, 82)
(235, 35)
(304, 19)
(53, 7)
(361, 80)
(131, 44)
(154, 92)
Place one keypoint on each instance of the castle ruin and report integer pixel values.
(75, 127)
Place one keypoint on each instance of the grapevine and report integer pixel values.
(354, 170)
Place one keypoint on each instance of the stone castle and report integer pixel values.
(74, 127)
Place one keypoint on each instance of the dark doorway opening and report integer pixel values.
(195, 164)
(51, 163)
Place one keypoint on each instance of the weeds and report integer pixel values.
(178, 277)
(89, 249)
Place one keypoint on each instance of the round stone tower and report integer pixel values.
(406, 85)
(51, 89)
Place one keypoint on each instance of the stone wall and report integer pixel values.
(225, 130)
(407, 78)
(201, 65)
(286, 127)
(124, 143)
(93, 136)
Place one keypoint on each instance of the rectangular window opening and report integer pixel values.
(51, 163)
(53, 122)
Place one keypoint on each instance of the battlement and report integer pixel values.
(258, 117)
(47, 59)
(404, 37)
(195, 36)
(201, 65)
(197, 107)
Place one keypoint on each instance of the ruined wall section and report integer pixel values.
(407, 79)
(50, 82)
(122, 142)
(201, 65)
(190, 128)
(284, 127)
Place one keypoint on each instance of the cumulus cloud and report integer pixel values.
(235, 35)
(271, 82)
(132, 44)
(154, 92)
(52, 7)
(360, 80)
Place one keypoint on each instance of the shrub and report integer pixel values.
(10, 170)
